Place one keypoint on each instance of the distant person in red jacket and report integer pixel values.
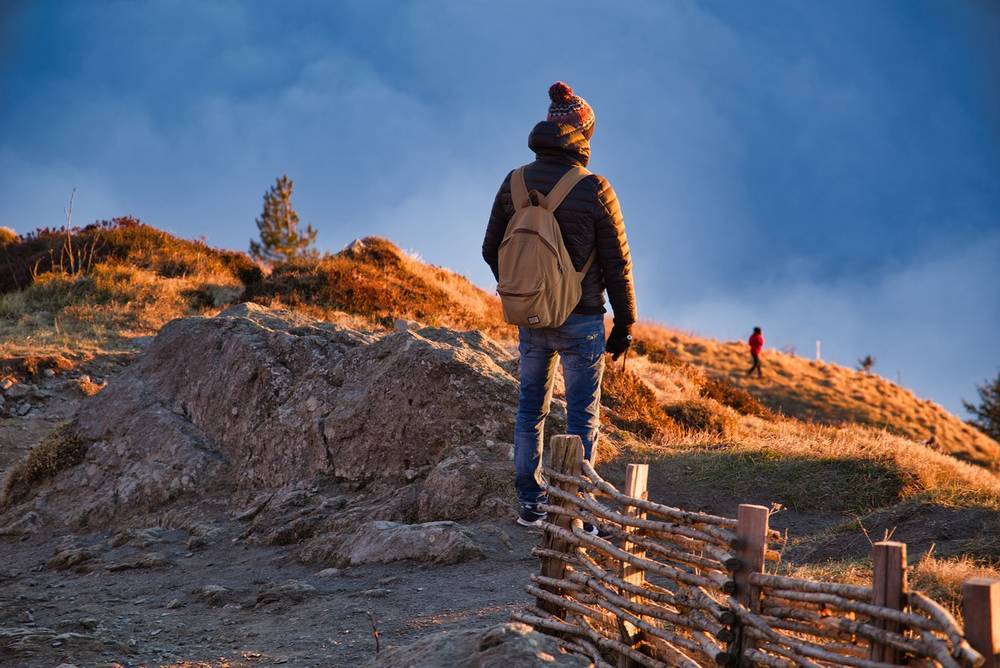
(756, 345)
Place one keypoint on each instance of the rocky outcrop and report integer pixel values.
(384, 542)
(501, 646)
(258, 399)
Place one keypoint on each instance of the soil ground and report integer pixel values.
(101, 613)
(156, 596)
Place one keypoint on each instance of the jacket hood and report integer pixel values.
(560, 143)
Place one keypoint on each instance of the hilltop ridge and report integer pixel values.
(128, 279)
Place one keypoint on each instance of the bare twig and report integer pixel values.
(68, 247)
(375, 632)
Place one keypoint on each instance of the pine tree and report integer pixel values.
(987, 413)
(280, 238)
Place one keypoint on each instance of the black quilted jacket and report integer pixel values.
(588, 218)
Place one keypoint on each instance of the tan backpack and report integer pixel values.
(538, 285)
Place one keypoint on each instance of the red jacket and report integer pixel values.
(756, 343)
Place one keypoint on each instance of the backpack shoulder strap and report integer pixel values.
(564, 186)
(518, 189)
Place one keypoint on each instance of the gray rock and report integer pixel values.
(471, 482)
(71, 557)
(501, 646)
(28, 523)
(148, 560)
(383, 405)
(403, 325)
(24, 638)
(376, 592)
(292, 591)
(384, 542)
(214, 595)
(20, 391)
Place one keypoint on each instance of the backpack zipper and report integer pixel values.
(504, 293)
(545, 243)
(540, 237)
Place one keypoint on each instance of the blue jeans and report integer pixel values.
(579, 342)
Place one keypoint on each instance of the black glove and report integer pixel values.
(619, 341)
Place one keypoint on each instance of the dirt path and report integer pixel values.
(240, 603)
(153, 596)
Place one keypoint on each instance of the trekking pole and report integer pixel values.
(624, 359)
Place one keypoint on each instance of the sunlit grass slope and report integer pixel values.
(827, 393)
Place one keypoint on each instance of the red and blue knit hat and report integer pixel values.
(569, 108)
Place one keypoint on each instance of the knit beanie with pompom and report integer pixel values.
(569, 108)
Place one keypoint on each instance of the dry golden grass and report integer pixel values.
(811, 467)
(940, 578)
(634, 406)
(374, 279)
(105, 309)
(703, 416)
(828, 393)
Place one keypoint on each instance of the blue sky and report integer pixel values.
(826, 170)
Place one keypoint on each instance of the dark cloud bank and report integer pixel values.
(826, 174)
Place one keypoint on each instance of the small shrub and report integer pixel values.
(373, 279)
(736, 398)
(60, 450)
(124, 241)
(657, 352)
(700, 415)
(50, 292)
(634, 404)
(7, 236)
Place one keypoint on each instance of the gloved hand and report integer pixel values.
(619, 340)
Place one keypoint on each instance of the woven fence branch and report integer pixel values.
(856, 592)
(667, 589)
(599, 640)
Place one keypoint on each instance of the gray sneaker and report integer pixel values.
(530, 517)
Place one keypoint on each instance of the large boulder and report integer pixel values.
(257, 399)
(501, 646)
(383, 542)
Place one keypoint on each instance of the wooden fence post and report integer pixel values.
(752, 533)
(636, 478)
(888, 590)
(981, 610)
(566, 457)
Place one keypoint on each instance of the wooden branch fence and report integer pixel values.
(680, 588)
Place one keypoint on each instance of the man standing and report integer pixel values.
(756, 345)
(593, 232)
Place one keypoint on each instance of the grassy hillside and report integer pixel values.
(827, 393)
(100, 287)
(821, 440)
(103, 286)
